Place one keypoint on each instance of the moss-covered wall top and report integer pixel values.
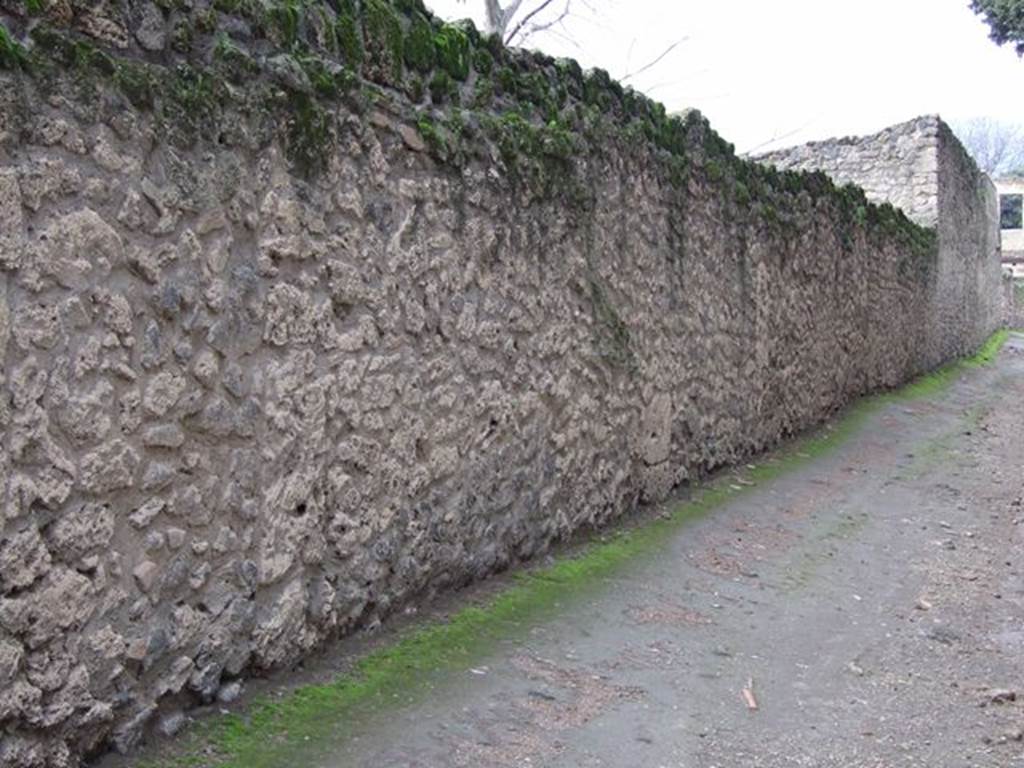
(248, 72)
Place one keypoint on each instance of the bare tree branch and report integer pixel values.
(649, 89)
(509, 13)
(779, 137)
(656, 60)
(494, 13)
(517, 21)
(997, 148)
(564, 36)
(545, 26)
(498, 16)
(629, 53)
(532, 14)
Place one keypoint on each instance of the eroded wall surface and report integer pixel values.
(251, 403)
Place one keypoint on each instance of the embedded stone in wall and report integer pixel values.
(655, 440)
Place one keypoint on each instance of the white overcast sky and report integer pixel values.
(771, 73)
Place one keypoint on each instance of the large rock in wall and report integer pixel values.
(284, 351)
(921, 167)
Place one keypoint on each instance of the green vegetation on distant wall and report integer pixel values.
(285, 68)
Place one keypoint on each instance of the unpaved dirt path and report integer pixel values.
(872, 600)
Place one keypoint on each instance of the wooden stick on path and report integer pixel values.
(748, 695)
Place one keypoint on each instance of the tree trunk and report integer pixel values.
(498, 18)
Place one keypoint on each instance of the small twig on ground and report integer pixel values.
(748, 695)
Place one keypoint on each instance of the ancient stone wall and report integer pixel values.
(303, 318)
(898, 165)
(921, 167)
(1013, 301)
(970, 272)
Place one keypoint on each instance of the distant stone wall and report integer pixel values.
(921, 168)
(898, 165)
(1013, 302)
(970, 272)
(289, 342)
(1012, 239)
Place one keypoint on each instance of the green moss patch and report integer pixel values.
(309, 133)
(936, 381)
(383, 39)
(12, 53)
(284, 20)
(235, 63)
(453, 51)
(138, 81)
(189, 104)
(350, 46)
(419, 45)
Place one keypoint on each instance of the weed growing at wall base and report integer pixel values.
(274, 732)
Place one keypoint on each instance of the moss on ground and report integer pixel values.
(938, 380)
(273, 732)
